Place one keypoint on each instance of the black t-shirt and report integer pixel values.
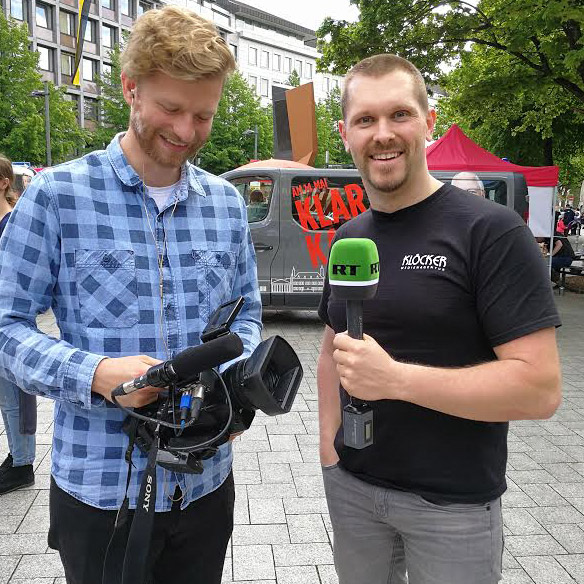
(3, 222)
(566, 251)
(459, 275)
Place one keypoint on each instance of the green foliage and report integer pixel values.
(328, 113)
(293, 79)
(22, 122)
(115, 110)
(239, 110)
(502, 105)
(547, 36)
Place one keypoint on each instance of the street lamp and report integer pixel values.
(255, 140)
(45, 94)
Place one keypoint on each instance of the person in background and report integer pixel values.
(469, 181)
(134, 248)
(18, 409)
(459, 339)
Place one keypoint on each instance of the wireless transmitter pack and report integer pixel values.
(353, 271)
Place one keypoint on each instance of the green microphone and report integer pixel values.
(353, 272)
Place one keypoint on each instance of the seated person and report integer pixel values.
(257, 208)
(469, 181)
(562, 253)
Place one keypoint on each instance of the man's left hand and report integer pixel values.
(366, 370)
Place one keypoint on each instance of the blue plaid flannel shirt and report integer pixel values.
(81, 242)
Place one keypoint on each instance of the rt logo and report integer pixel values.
(345, 269)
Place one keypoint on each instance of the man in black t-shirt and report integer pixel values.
(459, 340)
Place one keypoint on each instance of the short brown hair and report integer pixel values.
(380, 65)
(7, 172)
(177, 42)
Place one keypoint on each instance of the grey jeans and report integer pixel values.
(382, 534)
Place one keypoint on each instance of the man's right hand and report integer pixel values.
(112, 372)
(328, 455)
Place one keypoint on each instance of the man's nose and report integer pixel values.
(185, 129)
(384, 131)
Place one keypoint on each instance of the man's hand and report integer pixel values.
(365, 369)
(112, 372)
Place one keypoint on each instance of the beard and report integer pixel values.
(148, 139)
(384, 181)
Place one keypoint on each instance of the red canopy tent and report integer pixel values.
(456, 151)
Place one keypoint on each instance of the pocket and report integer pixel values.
(216, 274)
(454, 507)
(107, 288)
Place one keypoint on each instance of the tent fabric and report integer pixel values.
(456, 151)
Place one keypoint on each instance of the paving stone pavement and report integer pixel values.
(282, 532)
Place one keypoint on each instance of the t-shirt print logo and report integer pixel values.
(427, 261)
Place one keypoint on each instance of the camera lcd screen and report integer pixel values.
(221, 319)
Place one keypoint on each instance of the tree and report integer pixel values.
(502, 105)
(293, 79)
(328, 113)
(115, 110)
(22, 123)
(547, 36)
(239, 110)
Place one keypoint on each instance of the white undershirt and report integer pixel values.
(162, 194)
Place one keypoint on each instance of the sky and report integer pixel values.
(308, 13)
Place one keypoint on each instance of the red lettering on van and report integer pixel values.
(324, 222)
(339, 208)
(355, 199)
(313, 245)
(304, 216)
(296, 191)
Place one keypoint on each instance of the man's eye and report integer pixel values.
(365, 120)
(401, 114)
(169, 109)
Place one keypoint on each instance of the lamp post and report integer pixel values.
(255, 140)
(45, 93)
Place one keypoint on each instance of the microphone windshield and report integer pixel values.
(195, 360)
(353, 268)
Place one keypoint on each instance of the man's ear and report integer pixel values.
(128, 88)
(430, 124)
(343, 133)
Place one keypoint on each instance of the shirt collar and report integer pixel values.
(189, 176)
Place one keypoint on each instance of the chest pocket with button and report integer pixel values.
(217, 268)
(107, 288)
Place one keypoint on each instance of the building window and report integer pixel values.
(67, 63)
(106, 70)
(221, 19)
(287, 65)
(253, 56)
(143, 7)
(108, 36)
(89, 69)
(46, 58)
(298, 67)
(90, 31)
(125, 7)
(43, 15)
(109, 4)
(233, 50)
(264, 87)
(67, 23)
(336, 83)
(265, 59)
(326, 84)
(309, 70)
(90, 108)
(253, 82)
(276, 63)
(17, 9)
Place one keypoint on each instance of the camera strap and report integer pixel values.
(138, 542)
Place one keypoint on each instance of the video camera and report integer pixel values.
(201, 408)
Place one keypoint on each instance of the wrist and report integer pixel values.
(400, 381)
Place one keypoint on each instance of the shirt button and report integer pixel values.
(159, 218)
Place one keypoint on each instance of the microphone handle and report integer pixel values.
(355, 330)
(355, 318)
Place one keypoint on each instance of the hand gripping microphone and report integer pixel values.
(353, 271)
(186, 365)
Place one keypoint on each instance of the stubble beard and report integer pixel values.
(147, 137)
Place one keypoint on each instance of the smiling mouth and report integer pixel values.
(385, 156)
(172, 143)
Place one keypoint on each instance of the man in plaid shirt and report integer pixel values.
(133, 248)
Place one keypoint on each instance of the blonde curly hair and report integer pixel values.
(177, 42)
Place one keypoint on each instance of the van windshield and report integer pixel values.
(323, 203)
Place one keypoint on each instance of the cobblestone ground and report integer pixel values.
(282, 531)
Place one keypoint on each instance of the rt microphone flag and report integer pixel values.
(353, 271)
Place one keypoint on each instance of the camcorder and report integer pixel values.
(201, 408)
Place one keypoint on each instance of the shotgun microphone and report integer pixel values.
(353, 271)
(186, 365)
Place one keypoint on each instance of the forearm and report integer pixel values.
(491, 392)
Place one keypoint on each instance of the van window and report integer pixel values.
(257, 194)
(323, 203)
(495, 189)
